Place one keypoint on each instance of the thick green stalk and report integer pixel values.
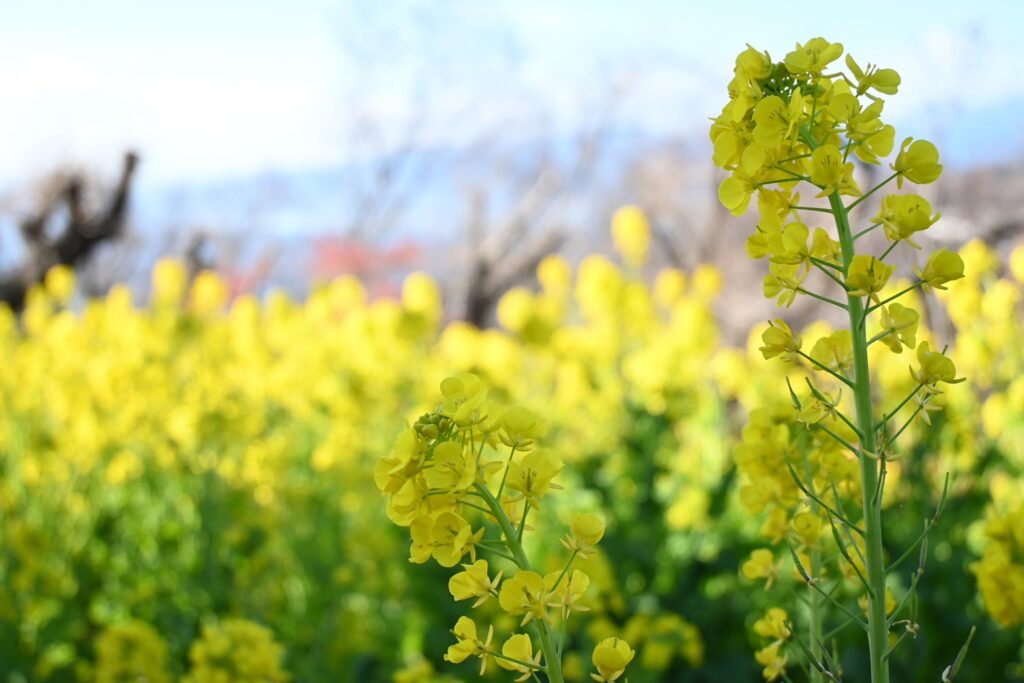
(878, 629)
(552, 662)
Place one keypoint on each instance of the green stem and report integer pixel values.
(880, 336)
(794, 174)
(823, 262)
(846, 150)
(878, 628)
(477, 507)
(838, 629)
(870, 192)
(522, 522)
(849, 424)
(840, 440)
(883, 302)
(819, 297)
(796, 158)
(504, 475)
(773, 181)
(888, 251)
(565, 570)
(815, 616)
(552, 662)
(892, 413)
(821, 366)
(813, 496)
(909, 421)
(828, 273)
(529, 665)
(866, 231)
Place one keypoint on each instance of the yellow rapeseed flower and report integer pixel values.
(918, 162)
(611, 657)
(473, 582)
(631, 234)
(468, 644)
(519, 652)
(524, 593)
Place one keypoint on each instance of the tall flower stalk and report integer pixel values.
(788, 126)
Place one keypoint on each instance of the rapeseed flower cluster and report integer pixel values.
(1000, 571)
(166, 445)
(231, 651)
(449, 483)
(195, 459)
(819, 463)
(987, 312)
(131, 651)
(235, 651)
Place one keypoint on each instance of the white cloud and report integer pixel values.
(204, 94)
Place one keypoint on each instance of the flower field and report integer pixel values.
(187, 487)
(209, 488)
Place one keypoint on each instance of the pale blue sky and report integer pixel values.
(210, 89)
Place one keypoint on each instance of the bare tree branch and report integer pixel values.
(78, 238)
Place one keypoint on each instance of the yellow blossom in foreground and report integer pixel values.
(447, 539)
(885, 81)
(469, 644)
(531, 475)
(779, 340)
(524, 593)
(867, 275)
(902, 215)
(835, 351)
(831, 173)
(611, 657)
(588, 528)
(943, 266)
(519, 648)
(735, 195)
(918, 162)
(899, 324)
(933, 367)
(520, 428)
(451, 468)
(473, 582)
(565, 590)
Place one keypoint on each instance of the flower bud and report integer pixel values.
(588, 528)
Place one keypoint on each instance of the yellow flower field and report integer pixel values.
(188, 492)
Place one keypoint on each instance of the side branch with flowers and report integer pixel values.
(446, 468)
(794, 122)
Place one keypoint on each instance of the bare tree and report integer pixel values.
(504, 249)
(53, 239)
(396, 59)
